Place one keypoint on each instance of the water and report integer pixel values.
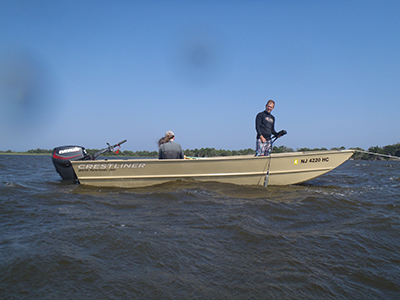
(335, 237)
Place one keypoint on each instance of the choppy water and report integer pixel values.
(336, 237)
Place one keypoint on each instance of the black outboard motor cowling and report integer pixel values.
(62, 157)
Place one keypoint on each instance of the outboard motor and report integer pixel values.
(62, 157)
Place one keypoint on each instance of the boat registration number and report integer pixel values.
(311, 160)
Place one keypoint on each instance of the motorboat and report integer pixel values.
(72, 162)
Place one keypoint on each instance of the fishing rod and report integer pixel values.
(377, 154)
(108, 149)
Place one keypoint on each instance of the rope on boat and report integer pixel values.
(378, 154)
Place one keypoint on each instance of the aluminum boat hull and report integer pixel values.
(277, 169)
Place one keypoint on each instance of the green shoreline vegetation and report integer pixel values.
(389, 150)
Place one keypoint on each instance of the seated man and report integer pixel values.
(168, 148)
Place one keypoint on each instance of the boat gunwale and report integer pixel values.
(216, 158)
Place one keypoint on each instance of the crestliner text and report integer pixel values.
(109, 166)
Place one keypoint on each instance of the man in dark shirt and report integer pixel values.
(265, 127)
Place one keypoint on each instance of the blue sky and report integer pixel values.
(90, 72)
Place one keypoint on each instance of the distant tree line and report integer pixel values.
(203, 152)
(39, 151)
(389, 150)
(210, 152)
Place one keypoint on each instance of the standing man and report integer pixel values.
(265, 127)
